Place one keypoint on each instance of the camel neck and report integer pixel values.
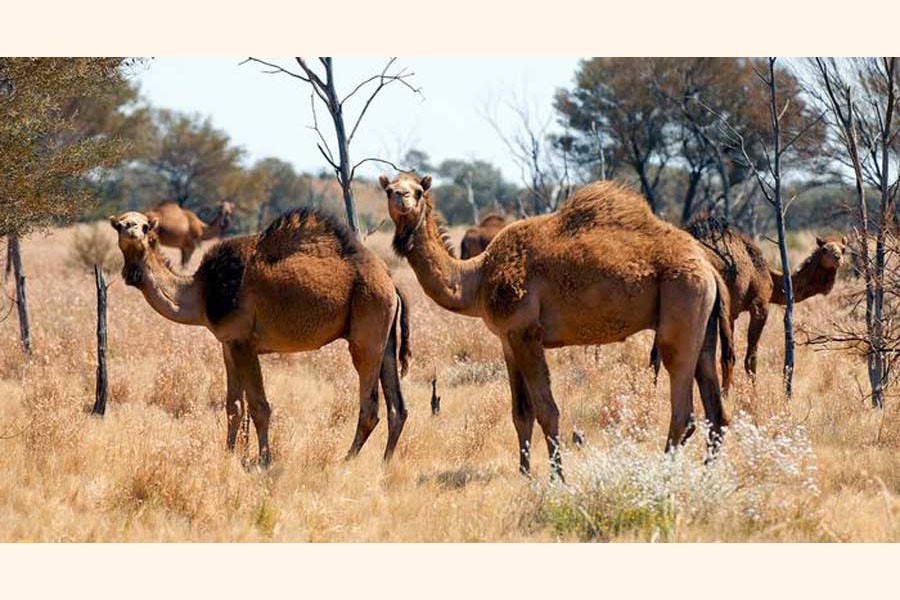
(213, 229)
(809, 279)
(175, 297)
(449, 281)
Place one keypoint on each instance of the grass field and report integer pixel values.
(824, 467)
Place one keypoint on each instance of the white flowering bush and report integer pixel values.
(763, 474)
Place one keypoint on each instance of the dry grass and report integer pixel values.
(825, 467)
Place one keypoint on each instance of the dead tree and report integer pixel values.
(15, 257)
(861, 99)
(769, 178)
(324, 90)
(100, 391)
(544, 165)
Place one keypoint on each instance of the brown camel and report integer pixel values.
(477, 237)
(753, 284)
(599, 270)
(302, 283)
(180, 228)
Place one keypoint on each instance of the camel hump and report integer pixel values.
(305, 229)
(222, 272)
(607, 204)
(492, 219)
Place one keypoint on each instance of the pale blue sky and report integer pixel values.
(268, 114)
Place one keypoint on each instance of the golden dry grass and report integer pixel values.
(824, 467)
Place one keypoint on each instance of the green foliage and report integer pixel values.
(489, 189)
(52, 148)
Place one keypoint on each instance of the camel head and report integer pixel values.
(137, 235)
(224, 214)
(831, 251)
(407, 197)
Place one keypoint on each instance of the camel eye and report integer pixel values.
(418, 194)
(146, 227)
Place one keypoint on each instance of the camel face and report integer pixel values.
(135, 230)
(226, 210)
(832, 251)
(404, 196)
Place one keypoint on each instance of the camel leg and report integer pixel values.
(522, 413)
(528, 352)
(684, 319)
(368, 366)
(710, 391)
(758, 315)
(250, 374)
(233, 396)
(393, 396)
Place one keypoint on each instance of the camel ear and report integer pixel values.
(384, 181)
(114, 221)
(820, 242)
(426, 182)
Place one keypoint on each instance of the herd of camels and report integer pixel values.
(600, 269)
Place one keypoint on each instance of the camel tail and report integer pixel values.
(722, 313)
(405, 354)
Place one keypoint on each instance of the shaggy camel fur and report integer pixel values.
(302, 283)
(180, 228)
(753, 284)
(477, 237)
(596, 272)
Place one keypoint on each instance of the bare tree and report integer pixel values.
(325, 91)
(789, 122)
(861, 98)
(542, 159)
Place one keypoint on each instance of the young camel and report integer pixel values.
(753, 285)
(477, 237)
(302, 283)
(596, 272)
(180, 228)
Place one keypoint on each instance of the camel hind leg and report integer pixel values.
(759, 313)
(685, 309)
(370, 325)
(234, 394)
(708, 381)
(393, 395)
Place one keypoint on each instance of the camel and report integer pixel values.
(597, 271)
(477, 237)
(753, 285)
(302, 283)
(180, 228)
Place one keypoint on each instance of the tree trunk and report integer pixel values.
(788, 288)
(470, 197)
(7, 269)
(261, 216)
(337, 115)
(689, 195)
(15, 254)
(100, 393)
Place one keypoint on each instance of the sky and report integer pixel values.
(270, 115)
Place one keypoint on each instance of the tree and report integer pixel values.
(470, 186)
(862, 100)
(542, 158)
(190, 157)
(284, 189)
(48, 153)
(790, 121)
(93, 251)
(324, 89)
(613, 108)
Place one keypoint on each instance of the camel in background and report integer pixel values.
(181, 228)
(753, 284)
(597, 271)
(477, 237)
(301, 284)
